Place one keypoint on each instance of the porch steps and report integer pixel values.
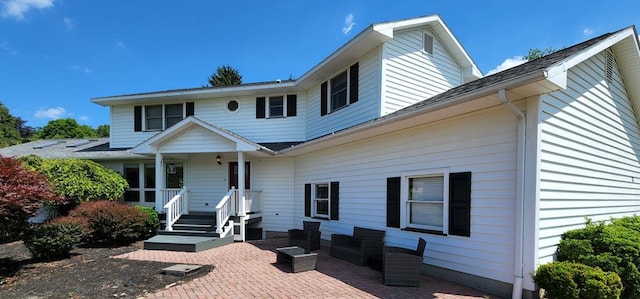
(185, 243)
(193, 232)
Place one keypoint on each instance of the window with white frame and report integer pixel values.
(321, 200)
(426, 202)
(142, 180)
(276, 106)
(339, 91)
(162, 116)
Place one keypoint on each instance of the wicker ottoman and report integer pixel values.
(296, 257)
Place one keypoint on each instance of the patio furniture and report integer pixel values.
(358, 248)
(401, 266)
(297, 258)
(308, 237)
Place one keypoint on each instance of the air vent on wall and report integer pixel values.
(609, 64)
(427, 43)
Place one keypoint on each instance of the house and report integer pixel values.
(398, 130)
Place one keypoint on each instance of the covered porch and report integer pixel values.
(197, 173)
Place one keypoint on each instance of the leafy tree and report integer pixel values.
(537, 53)
(103, 131)
(8, 133)
(22, 193)
(65, 128)
(82, 180)
(26, 132)
(225, 76)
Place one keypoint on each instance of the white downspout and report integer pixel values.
(519, 221)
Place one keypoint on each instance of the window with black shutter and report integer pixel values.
(137, 118)
(260, 107)
(323, 98)
(460, 204)
(334, 201)
(292, 105)
(393, 202)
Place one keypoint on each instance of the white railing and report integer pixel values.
(176, 206)
(168, 194)
(224, 210)
(252, 201)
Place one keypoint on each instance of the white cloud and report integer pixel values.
(81, 69)
(348, 24)
(17, 8)
(52, 113)
(70, 23)
(5, 46)
(120, 44)
(84, 118)
(587, 31)
(507, 64)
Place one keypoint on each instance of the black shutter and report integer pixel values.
(260, 107)
(353, 83)
(334, 200)
(137, 118)
(460, 204)
(292, 105)
(307, 200)
(393, 202)
(323, 98)
(190, 109)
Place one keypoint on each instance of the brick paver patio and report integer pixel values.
(248, 270)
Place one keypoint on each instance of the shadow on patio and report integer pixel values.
(249, 270)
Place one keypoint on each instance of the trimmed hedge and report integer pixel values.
(54, 239)
(568, 280)
(113, 222)
(152, 223)
(613, 247)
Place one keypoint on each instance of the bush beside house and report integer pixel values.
(612, 248)
(115, 223)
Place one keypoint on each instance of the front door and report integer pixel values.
(233, 175)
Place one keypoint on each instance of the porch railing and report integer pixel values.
(224, 210)
(252, 201)
(176, 206)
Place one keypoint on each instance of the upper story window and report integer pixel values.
(160, 117)
(340, 91)
(278, 106)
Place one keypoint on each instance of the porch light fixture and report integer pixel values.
(171, 169)
(219, 160)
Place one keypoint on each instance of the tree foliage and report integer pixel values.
(225, 76)
(103, 130)
(537, 53)
(65, 128)
(9, 135)
(83, 180)
(22, 193)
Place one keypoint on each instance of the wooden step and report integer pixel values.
(185, 243)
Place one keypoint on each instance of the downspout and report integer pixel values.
(519, 221)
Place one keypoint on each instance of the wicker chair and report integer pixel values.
(308, 237)
(401, 266)
(358, 248)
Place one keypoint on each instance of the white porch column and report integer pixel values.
(241, 185)
(159, 182)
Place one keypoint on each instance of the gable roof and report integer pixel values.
(546, 74)
(368, 39)
(241, 143)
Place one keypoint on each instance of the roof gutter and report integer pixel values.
(481, 92)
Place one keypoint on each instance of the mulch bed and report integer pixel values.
(89, 272)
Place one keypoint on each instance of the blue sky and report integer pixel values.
(57, 54)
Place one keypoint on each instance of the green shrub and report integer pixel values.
(53, 239)
(152, 222)
(612, 247)
(83, 180)
(112, 222)
(568, 280)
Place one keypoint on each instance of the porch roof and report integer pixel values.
(228, 140)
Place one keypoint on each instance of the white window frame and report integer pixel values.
(284, 106)
(315, 200)
(405, 207)
(332, 109)
(164, 115)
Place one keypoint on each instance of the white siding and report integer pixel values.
(243, 121)
(366, 108)
(275, 177)
(412, 75)
(122, 134)
(590, 144)
(483, 143)
(206, 180)
(197, 140)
